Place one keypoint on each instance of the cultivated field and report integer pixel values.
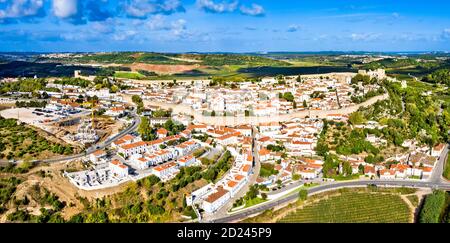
(353, 207)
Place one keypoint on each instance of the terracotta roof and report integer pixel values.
(246, 168)
(439, 147)
(264, 152)
(117, 109)
(229, 136)
(369, 169)
(164, 166)
(216, 195)
(232, 184)
(162, 131)
(99, 153)
(134, 145)
(128, 137)
(116, 162)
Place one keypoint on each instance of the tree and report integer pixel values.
(304, 104)
(213, 113)
(136, 99)
(361, 168)
(184, 202)
(432, 208)
(279, 182)
(303, 194)
(264, 196)
(356, 118)
(347, 168)
(145, 130)
(288, 96)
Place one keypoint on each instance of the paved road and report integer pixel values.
(331, 186)
(133, 127)
(223, 211)
(434, 182)
(438, 170)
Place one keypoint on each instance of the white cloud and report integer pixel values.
(178, 27)
(65, 8)
(254, 10)
(156, 22)
(222, 7)
(105, 27)
(446, 34)
(294, 28)
(364, 36)
(21, 8)
(124, 35)
(143, 8)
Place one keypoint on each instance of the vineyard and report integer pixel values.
(353, 207)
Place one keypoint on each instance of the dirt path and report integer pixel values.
(421, 193)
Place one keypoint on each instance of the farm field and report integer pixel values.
(129, 75)
(353, 207)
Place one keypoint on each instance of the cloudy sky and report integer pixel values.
(224, 25)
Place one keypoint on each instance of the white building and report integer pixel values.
(133, 148)
(216, 200)
(165, 170)
(118, 169)
(97, 155)
(186, 161)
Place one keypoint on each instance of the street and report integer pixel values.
(434, 182)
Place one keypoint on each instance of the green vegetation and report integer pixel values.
(129, 57)
(139, 103)
(7, 188)
(215, 171)
(447, 169)
(251, 197)
(267, 169)
(303, 194)
(254, 201)
(414, 199)
(74, 81)
(440, 76)
(50, 209)
(130, 75)
(433, 207)
(33, 103)
(199, 152)
(390, 63)
(21, 168)
(179, 59)
(407, 114)
(20, 141)
(353, 207)
(23, 85)
(275, 148)
(161, 113)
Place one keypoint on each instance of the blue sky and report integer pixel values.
(224, 25)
